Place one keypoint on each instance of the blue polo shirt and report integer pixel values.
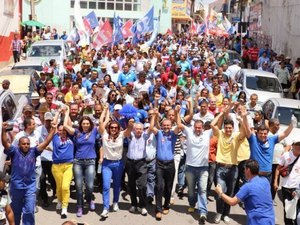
(263, 152)
(85, 144)
(23, 167)
(165, 145)
(126, 78)
(63, 151)
(258, 201)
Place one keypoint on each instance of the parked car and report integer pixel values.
(11, 109)
(283, 109)
(22, 82)
(32, 63)
(265, 84)
(232, 56)
(48, 49)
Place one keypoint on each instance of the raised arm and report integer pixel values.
(45, 143)
(189, 117)
(245, 124)
(180, 126)
(289, 129)
(129, 128)
(214, 123)
(5, 143)
(103, 120)
(152, 127)
(67, 126)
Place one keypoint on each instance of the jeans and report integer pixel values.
(241, 179)
(226, 177)
(16, 55)
(181, 171)
(287, 194)
(211, 175)
(137, 181)
(63, 175)
(197, 176)
(111, 169)
(165, 172)
(23, 205)
(46, 173)
(176, 165)
(84, 169)
(151, 168)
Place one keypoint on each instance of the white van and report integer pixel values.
(265, 84)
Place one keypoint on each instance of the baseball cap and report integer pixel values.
(103, 66)
(48, 116)
(28, 108)
(4, 176)
(118, 107)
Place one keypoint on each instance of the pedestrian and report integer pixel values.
(6, 212)
(5, 84)
(111, 158)
(23, 182)
(165, 167)
(289, 162)
(84, 160)
(16, 46)
(255, 194)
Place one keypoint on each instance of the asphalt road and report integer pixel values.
(178, 214)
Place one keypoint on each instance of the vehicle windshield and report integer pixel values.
(284, 115)
(45, 51)
(263, 84)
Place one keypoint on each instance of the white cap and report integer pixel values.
(118, 107)
(35, 95)
(48, 116)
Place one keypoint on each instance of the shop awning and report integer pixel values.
(32, 23)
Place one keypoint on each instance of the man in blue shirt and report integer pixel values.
(262, 145)
(255, 194)
(165, 167)
(126, 76)
(22, 185)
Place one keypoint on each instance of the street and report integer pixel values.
(178, 214)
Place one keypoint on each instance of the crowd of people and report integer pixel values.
(166, 119)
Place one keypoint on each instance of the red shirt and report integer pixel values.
(165, 77)
(253, 54)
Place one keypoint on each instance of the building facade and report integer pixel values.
(60, 13)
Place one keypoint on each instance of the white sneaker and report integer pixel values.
(64, 213)
(58, 206)
(104, 213)
(226, 219)
(217, 218)
(132, 209)
(115, 207)
(143, 211)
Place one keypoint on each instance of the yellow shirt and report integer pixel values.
(69, 97)
(219, 98)
(227, 148)
(243, 150)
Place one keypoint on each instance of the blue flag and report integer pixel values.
(117, 30)
(145, 24)
(92, 18)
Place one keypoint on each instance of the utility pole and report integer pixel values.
(32, 8)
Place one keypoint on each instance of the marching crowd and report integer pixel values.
(164, 118)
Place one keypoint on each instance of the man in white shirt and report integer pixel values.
(196, 165)
(142, 84)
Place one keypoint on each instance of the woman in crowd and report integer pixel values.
(112, 99)
(63, 156)
(84, 160)
(111, 158)
(234, 93)
(216, 92)
(51, 88)
(42, 93)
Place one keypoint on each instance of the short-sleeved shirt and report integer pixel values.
(113, 149)
(197, 147)
(137, 146)
(257, 197)
(126, 78)
(165, 145)
(263, 152)
(23, 167)
(63, 150)
(227, 148)
(85, 144)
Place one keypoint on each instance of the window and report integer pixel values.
(110, 6)
(8, 109)
(101, 5)
(83, 4)
(92, 5)
(119, 6)
(127, 5)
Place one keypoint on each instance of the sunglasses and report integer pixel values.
(113, 127)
